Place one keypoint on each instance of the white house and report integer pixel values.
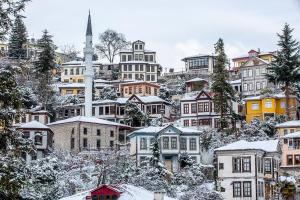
(172, 142)
(42, 137)
(248, 170)
(138, 63)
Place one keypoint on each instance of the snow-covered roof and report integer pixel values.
(33, 125)
(266, 145)
(122, 100)
(156, 129)
(276, 96)
(198, 55)
(292, 135)
(190, 96)
(195, 80)
(150, 99)
(71, 85)
(87, 120)
(238, 81)
(294, 123)
(130, 193)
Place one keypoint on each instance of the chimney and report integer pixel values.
(159, 195)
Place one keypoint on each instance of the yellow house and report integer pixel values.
(71, 89)
(263, 106)
(239, 61)
(288, 127)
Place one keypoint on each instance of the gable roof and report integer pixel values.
(292, 135)
(148, 99)
(266, 145)
(294, 123)
(251, 62)
(93, 120)
(111, 187)
(33, 125)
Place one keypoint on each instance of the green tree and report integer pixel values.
(43, 67)
(13, 171)
(223, 92)
(8, 10)
(17, 40)
(285, 67)
(155, 158)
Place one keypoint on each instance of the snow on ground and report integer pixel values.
(131, 193)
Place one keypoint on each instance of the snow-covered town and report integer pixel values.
(106, 118)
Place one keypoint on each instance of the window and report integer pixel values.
(77, 71)
(130, 68)
(36, 118)
(72, 143)
(204, 122)
(258, 86)
(106, 110)
(112, 134)
(85, 143)
(206, 107)
(98, 144)
(23, 119)
(123, 57)
(141, 67)
(66, 71)
(250, 86)
(200, 107)
(152, 68)
(147, 68)
(151, 58)
(289, 160)
(185, 108)
(100, 110)
(268, 104)
(125, 68)
(221, 165)
(250, 72)
(245, 87)
(297, 159)
(267, 165)
(194, 107)
(152, 141)
(236, 164)
(165, 143)
(111, 143)
(148, 77)
(260, 189)
(183, 144)
(26, 134)
(257, 71)
(255, 106)
(194, 122)
(245, 73)
(282, 104)
(77, 112)
(84, 131)
(38, 139)
(246, 164)
(152, 77)
(237, 189)
(193, 145)
(98, 132)
(247, 189)
(93, 111)
(173, 142)
(143, 143)
(71, 71)
(186, 122)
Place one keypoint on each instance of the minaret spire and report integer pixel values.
(89, 73)
(89, 26)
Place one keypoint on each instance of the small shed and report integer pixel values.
(104, 192)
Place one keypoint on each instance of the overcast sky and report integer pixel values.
(173, 28)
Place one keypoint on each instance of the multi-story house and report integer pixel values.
(290, 156)
(201, 63)
(34, 114)
(248, 170)
(253, 76)
(81, 133)
(197, 110)
(263, 106)
(139, 64)
(172, 141)
(288, 127)
(114, 110)
(141, 88)
(42, 137)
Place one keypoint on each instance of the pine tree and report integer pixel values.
(13, 171)
(223, 92)
(155, 158)
(43, 67)
(17, 40)
(285, 67)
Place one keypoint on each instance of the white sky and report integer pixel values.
(173, 28)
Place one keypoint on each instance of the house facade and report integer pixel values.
(42, 137)
(141, 88)
(38, 115)
(288, 127)
(197, 110)
(263, 106)
(173, 141)
(81, 133)
(201, 63)
(138, 63)
(248, 170)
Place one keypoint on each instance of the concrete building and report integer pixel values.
(42, 137)
(81, 133)
(172, 142)
(248, 170)
(138, 63)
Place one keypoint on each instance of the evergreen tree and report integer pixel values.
(9, 9)
(134, 115)
(17, 40)
(43, 67)
(155, 158)
(285, 67)
(223, 92)
(13, 172)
